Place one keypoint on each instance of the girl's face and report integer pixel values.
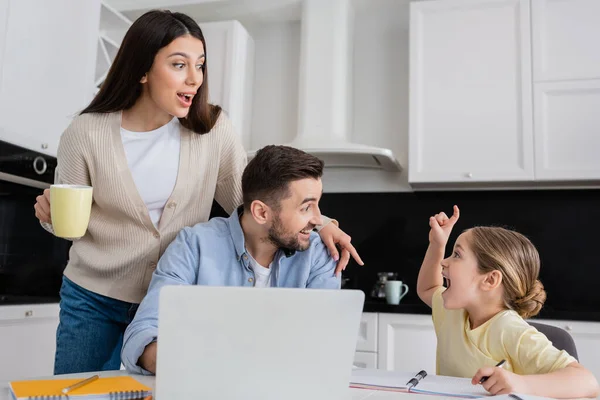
(175, 76)
(462, 276)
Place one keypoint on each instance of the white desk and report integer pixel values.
(353, 394)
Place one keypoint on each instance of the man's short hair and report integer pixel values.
(268, 175)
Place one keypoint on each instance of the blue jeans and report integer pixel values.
(90, 331)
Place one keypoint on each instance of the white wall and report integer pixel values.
(380, 90)
(275, 107)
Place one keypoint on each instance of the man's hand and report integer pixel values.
(148, 358)
(331, 235)
(441, 226)
(500, 381)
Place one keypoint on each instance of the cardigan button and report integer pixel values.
(156, 235)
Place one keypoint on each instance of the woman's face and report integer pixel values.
(176, 75)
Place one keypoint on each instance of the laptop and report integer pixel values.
(256, 343)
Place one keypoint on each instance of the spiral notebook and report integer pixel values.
(109, 388)
(395, 381)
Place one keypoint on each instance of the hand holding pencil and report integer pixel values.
(497, 380)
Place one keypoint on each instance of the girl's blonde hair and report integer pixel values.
(517, 259)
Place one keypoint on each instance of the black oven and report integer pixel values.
(31, 260)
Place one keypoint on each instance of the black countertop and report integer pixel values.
(11, 300)
(380, 306)
(370, 305)
(376, 306)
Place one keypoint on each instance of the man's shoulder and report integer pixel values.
(316, 244)
(214, 229)
(316, 251)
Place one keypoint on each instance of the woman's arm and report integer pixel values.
(72, 168)
(232, 162)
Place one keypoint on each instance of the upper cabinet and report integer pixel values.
(470, 91)
(478, 114)
(567, 130)
(230, 62)
(112, 29)
(566, 89)
(48, 62)
(565, 39)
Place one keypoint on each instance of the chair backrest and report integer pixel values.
(560, 338)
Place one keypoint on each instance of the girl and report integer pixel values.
(157, 154)
(492, 285)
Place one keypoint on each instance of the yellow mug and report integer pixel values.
(70, 207)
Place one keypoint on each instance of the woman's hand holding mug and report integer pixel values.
(42, 207)
(70, 205)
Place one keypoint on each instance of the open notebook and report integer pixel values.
(110, 388)
(378, 379)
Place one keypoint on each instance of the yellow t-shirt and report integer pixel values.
(461, 351)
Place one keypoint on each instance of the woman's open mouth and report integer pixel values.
(185, 99)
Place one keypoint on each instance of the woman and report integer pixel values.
(157, 154)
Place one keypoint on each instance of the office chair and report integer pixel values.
(560, 338)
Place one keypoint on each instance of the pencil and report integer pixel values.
(80, 384)
(485, 378)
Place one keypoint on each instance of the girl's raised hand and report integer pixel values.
(441, 226)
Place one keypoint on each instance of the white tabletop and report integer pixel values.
(353, 394)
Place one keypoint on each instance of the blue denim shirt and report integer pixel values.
(214, 254)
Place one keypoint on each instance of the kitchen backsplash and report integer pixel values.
(390, 231)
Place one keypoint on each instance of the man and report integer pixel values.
(269, 241)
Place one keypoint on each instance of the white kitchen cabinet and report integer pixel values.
(230, 62)
(567, 125)
(470, 98)
(587, 340)
(367, 333)
(407, 342)
(565, 39)
(48, 65)
(366, 345)
(3, 22)
(363, 359)
(27, 340)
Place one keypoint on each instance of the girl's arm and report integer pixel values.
(430, 274)
(573, 381)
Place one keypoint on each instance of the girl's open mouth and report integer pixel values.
(446, 282)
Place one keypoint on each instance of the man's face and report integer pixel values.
(298, 215)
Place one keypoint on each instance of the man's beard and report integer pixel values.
(282, 239)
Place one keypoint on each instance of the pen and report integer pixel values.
(485, 378)
(80, 384)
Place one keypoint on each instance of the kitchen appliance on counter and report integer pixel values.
(31, 259)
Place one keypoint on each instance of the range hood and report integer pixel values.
(325, 95)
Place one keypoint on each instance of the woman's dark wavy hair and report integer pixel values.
(148, 34)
